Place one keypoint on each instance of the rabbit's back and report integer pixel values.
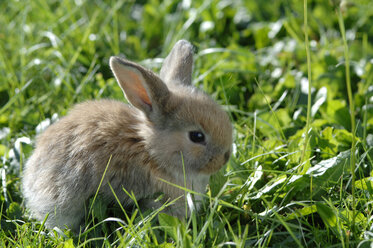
(72, 154)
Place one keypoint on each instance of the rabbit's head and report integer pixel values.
(181, 125)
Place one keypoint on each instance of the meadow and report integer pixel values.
(298, 86)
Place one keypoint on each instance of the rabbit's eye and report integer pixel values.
(197, 137)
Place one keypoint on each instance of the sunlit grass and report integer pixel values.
(251, 57)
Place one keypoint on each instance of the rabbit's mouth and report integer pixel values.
(214, 164)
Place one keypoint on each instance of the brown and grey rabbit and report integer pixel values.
(170, 127)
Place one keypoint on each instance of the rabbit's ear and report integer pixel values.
(177, 66)
(142, 88)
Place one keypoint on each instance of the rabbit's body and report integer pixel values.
(139, 145)
(73, 168)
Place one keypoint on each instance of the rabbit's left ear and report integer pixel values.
(177, 66)
(142, 88)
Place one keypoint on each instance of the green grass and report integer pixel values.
(252, 57)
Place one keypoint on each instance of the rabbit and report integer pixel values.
(170, 131)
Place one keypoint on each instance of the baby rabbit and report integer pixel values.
(170, 127)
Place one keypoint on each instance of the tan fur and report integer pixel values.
(145, 142)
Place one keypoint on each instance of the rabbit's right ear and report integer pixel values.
(177, 66)
(142, 88)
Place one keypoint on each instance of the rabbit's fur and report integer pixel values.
(138, 144)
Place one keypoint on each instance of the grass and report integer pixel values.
(309, 78)
(251, 57)
(352, 113)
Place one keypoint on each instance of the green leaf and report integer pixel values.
(327, 143)
(14, 211)
(324, 173)
(330, 169)
(347, 216)
(168, 220)
(327, 215)
(175, 229)
(69, 243)
(269, 122)
(170, 224)
(337, 112)
(365, 184)
(302, 212)
(166, 245)
(2, 150)
(271, 186)
(344, 139)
